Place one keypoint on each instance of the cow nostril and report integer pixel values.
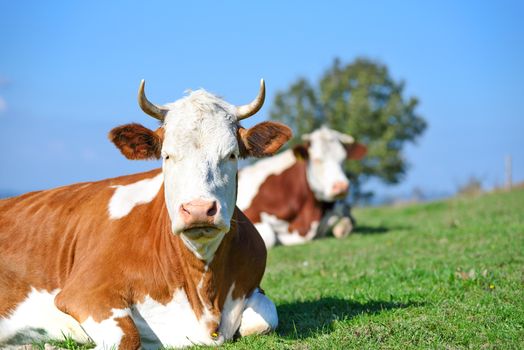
(213, 210)
(184, 210)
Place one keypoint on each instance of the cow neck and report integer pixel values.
(203, 281)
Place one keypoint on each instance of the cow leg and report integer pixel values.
(117, 331)
(28, 314)
(259, 316)
(12, 292)
(109, 328)
(341, 220)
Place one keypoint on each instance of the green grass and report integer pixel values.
(65, 343)
(446, 275)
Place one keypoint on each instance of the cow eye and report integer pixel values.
(232, 156)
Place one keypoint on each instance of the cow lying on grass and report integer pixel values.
(287, 195)
(162, 258)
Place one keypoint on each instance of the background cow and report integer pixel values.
(287, 195)
(158, 258)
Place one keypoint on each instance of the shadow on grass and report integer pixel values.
(371, 230)
(305, 319)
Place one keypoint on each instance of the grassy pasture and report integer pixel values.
(446, 274)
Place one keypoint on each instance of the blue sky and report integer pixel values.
(69, 72)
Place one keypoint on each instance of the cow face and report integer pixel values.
(200, 142)
(325, 151)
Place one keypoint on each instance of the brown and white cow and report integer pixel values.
(286, 196)
(162, 258)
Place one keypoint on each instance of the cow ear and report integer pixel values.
(263, 139)
(300, 152)
(137, 142)
(356, 151)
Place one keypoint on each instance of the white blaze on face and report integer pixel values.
(200, 152)
(326, 158)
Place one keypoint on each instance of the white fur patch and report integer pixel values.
(231, 315)
(126, 197)
(280, 229)
(37, 317)
(260, 315)
(252, 177)
(106, 334)
(173, 324)
(267, 233)
(203, 249)
(294, 237)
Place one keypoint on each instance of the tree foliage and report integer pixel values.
(360, 99)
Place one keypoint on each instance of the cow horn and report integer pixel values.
(251, 108)
(148, 107)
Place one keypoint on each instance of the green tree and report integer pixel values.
(363, 100)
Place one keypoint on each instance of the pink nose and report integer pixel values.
(198, 213)
(340, 187)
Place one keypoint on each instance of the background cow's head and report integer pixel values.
(325, 151)
(200, 141)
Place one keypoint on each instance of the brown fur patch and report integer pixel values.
(263, 139)
(289, 198)
(12, 288)
(137, 142)
(131, 338)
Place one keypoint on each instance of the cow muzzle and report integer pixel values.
(201, 218)
(340, 189)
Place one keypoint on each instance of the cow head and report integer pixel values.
(325, 151)
(200, 141)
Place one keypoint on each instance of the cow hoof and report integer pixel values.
(342, 228)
